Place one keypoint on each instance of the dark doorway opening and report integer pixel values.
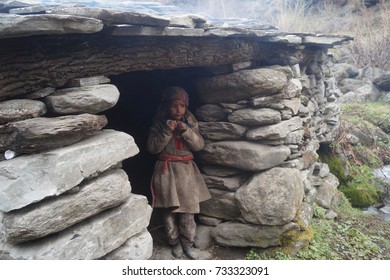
(139, 98)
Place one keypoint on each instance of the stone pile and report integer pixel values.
(64, 195)
(368, 84)
(262, 128)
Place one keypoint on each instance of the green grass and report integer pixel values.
(352, 236)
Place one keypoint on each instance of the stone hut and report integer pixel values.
(78, 90)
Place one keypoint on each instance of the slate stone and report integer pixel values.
(231, 183)
(222, 171)
(29, 25)
(28, 179)
(218, 131)
(275, 131)
(327, 190)
(210, 113)
(234, 234)
(272, 197)
(91, 239)
(240, 85)
(255, 117)
(244, 155)
(112, 16)
(222, 205)
(20, 109)
(137, 247)
(78, 100)
(87, 81)
(54, 215)
(40, 134)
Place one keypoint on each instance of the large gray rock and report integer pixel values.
(240, 85)
(91, 239)
(137, 247)
(78, 100)
(18, 26)
(327, 190)
(255, 117)
(20, 109)
(272, 197)
(231, 183)
(218, 131)
(244, 155)
(112, 16)
(383, 81)
(28, 179)
(39, 134)
(293, 88)
(222, 171)
(210, 113)
(54, 215)
(222, 205)
(235, 234)
(275, 131)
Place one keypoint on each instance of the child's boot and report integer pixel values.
(195, 254)
(177, 251)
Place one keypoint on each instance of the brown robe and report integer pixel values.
(180, 185)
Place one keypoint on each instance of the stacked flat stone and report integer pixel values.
(65, 196)
(257, 153)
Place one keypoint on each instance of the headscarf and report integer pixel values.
(177, 93)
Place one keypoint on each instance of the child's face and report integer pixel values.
(177, 109)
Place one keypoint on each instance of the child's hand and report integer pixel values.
(181, 126)
(172, 124)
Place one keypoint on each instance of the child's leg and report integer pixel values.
(171, 228)
(187, 229)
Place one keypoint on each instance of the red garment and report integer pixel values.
(167, 158)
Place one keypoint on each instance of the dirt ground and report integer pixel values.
(162, 250)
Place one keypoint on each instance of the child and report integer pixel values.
(177, 185)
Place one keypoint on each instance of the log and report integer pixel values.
(30, 64)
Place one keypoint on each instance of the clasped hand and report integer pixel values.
(173, 125)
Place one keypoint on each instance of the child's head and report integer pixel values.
(174, 103)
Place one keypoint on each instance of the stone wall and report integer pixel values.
(263, 127)
(63, 194)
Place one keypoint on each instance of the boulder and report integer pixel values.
(244, 155)
(137, 247)
(383, 81)
(235, 234)
(327, 190)
(54, 215)
(39, 134)
(293, 88)
(344, 70)
(90, 239)
(240, 85)
(20, 109)
(218, 131)
(28, 179)
(222, 205)
(255, 117)
(231, 183)
(210, 113)
(78, 100)
(272, 197)
(276, 131)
